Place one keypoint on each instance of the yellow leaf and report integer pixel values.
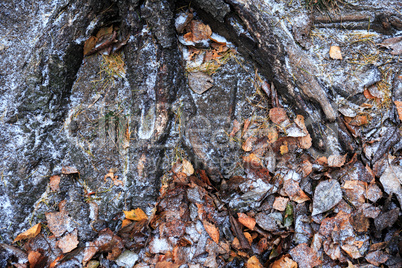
(30, 233)
(284, 148)
(253, 262)
(135, 214)
(187, 168)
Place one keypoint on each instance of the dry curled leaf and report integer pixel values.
(30, 233)
(336, 160)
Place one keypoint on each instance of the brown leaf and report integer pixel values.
(135, 214)
(253, 262)
(68, 242)
(336, 160)
(294, 191)
(322, 161)
(278, 115)
(236, 128)
(30, 233)
(106, 242)
(376, 257)
(36, 259)
(272, 134)
(200, 31)
(355, 192)
(54, 183)
(245, 126)
(305, 142)
(58, 222)
(254, 169)
(368, 95)
(200, 82)
(248, 144)
(69, 170)
(104, 31)
(212, 231)
(352, 251)
(90, 44)
(335, 53)
(246, 221)
(284, 262)
(359, 120)
(187, 168)
(398, 105)
(284, 148)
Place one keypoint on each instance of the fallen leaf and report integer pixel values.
(245, 126)
(68, 242)
(125, 222)
(104, 31)
(200, 31)
(253, 262)
(376, 258)
(280, 203)
(398, 105)
(322, 161)
(236, 128)
(391, 180)
(246, 221)
(69, 170)
(36, 259)
(58, 222)
(187, 168)
(305, 142)
(248, 144)
(284, 262)
(90, 44)
(394, 43)
(272, 134)
(288, 219)
(336, 160)
(200, 82)
(278, 115)
(30, 233)
(247, 235)
(335, 53)
(212, 231)
(355, 191)
(284, 148)
(54, 183)
(294, 191)
(359, 120)
(305, 256)
(326, 196)
(136, 215)
(141, 165)
(106, 242)
(352, 251)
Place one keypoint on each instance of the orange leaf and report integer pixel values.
(253, 262)
(212, 231)
(359, 120)
(398, 105)
(248, 144)
(322, 161)
(54, 183)
(125, 222)
(368, 95)
(36, 259)
(246, 221)
(200, 31)
(284, 148)
(90, 44)
(284, 262)
(30, 233)
(136, 215)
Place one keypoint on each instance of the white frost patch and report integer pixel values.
(159, 245)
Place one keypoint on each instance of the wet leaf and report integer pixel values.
(305, 256)
(284, 262)
(200, 82)
(212, 231)
(326, 196)
(68, 242)
(336, 160)
(246, 220)
(253, 262)
(335, 53)
(136, 215)
(30, 233)
(69, 170)
(54, 183)
(278, 115)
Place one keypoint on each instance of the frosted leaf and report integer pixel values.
(326, 196)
